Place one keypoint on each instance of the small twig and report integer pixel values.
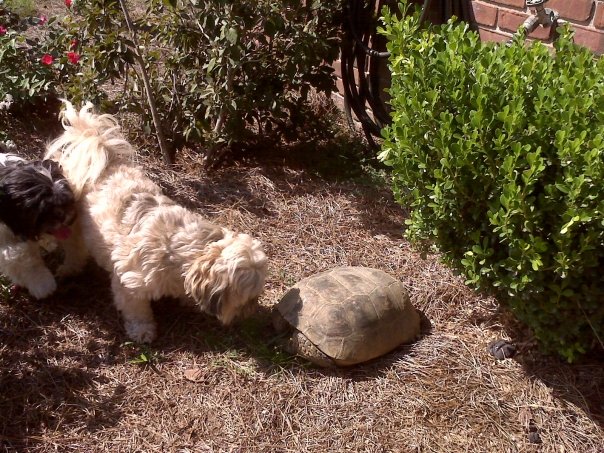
(217, 151)
(223, 110)
(156, 121)
(126, 78)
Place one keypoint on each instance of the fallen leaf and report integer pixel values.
(194, 375)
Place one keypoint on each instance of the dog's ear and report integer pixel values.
(214, 306)
(17, 213)
(32, 217)
(201, 280)
(53, 167)
(226, 279)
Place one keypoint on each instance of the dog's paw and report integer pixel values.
(44, 286)
(141, 332)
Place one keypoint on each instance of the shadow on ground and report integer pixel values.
(256, 338)
(51, 352)
(580, 383)
(292, 171)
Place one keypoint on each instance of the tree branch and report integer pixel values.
(167, 155)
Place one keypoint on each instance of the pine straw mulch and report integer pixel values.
(68, 381)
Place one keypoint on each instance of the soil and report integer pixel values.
(71, 381)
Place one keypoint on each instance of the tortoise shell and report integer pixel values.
(351, 314)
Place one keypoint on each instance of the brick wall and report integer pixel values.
(497, 20)
(433, 15)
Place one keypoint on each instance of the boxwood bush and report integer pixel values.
(498, 151)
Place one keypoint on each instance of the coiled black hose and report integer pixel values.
(364, 58)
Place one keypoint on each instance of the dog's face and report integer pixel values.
(228, 279)
(35, 199)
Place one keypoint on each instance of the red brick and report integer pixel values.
(338, 100)
(542, 33)
(337, 66)
(484, 14)
(577, 10)
(489, 35)
(513, 3)
(512, 20)
(339, 85)
(591, 39)
(599, 17)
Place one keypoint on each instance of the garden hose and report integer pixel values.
(364, 59)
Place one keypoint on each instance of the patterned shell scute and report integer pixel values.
(352, 314)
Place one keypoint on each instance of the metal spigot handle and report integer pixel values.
(532, 3)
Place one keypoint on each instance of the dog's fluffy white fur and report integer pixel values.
(35, 203)
(21, 262)
(151, 246)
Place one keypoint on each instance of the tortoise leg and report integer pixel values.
(300, 345)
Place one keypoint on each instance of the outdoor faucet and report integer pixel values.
(541, 16)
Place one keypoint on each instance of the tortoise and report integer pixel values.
(345, 316)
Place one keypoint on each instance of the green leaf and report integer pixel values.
(497, 153)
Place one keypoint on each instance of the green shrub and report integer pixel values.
(219, 69)
(22, 8)
(236, 65)
(37, 60)
(499, 152)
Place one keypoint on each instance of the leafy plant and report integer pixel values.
(499, 152)
(243, 64)
(22, 8)
(144, 355)
(4, 288)
(37, 58)
(218, 69)
(98, 32)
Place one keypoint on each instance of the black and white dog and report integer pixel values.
(35, 200)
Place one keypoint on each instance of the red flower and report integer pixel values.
(73, 57)
(68, 3)
(2, 30)
(42, 20)
(47, 59)
(73, 44)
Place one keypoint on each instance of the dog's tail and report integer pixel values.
(89, 144)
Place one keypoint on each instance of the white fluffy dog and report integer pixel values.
(35, 201)
(151, 246)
